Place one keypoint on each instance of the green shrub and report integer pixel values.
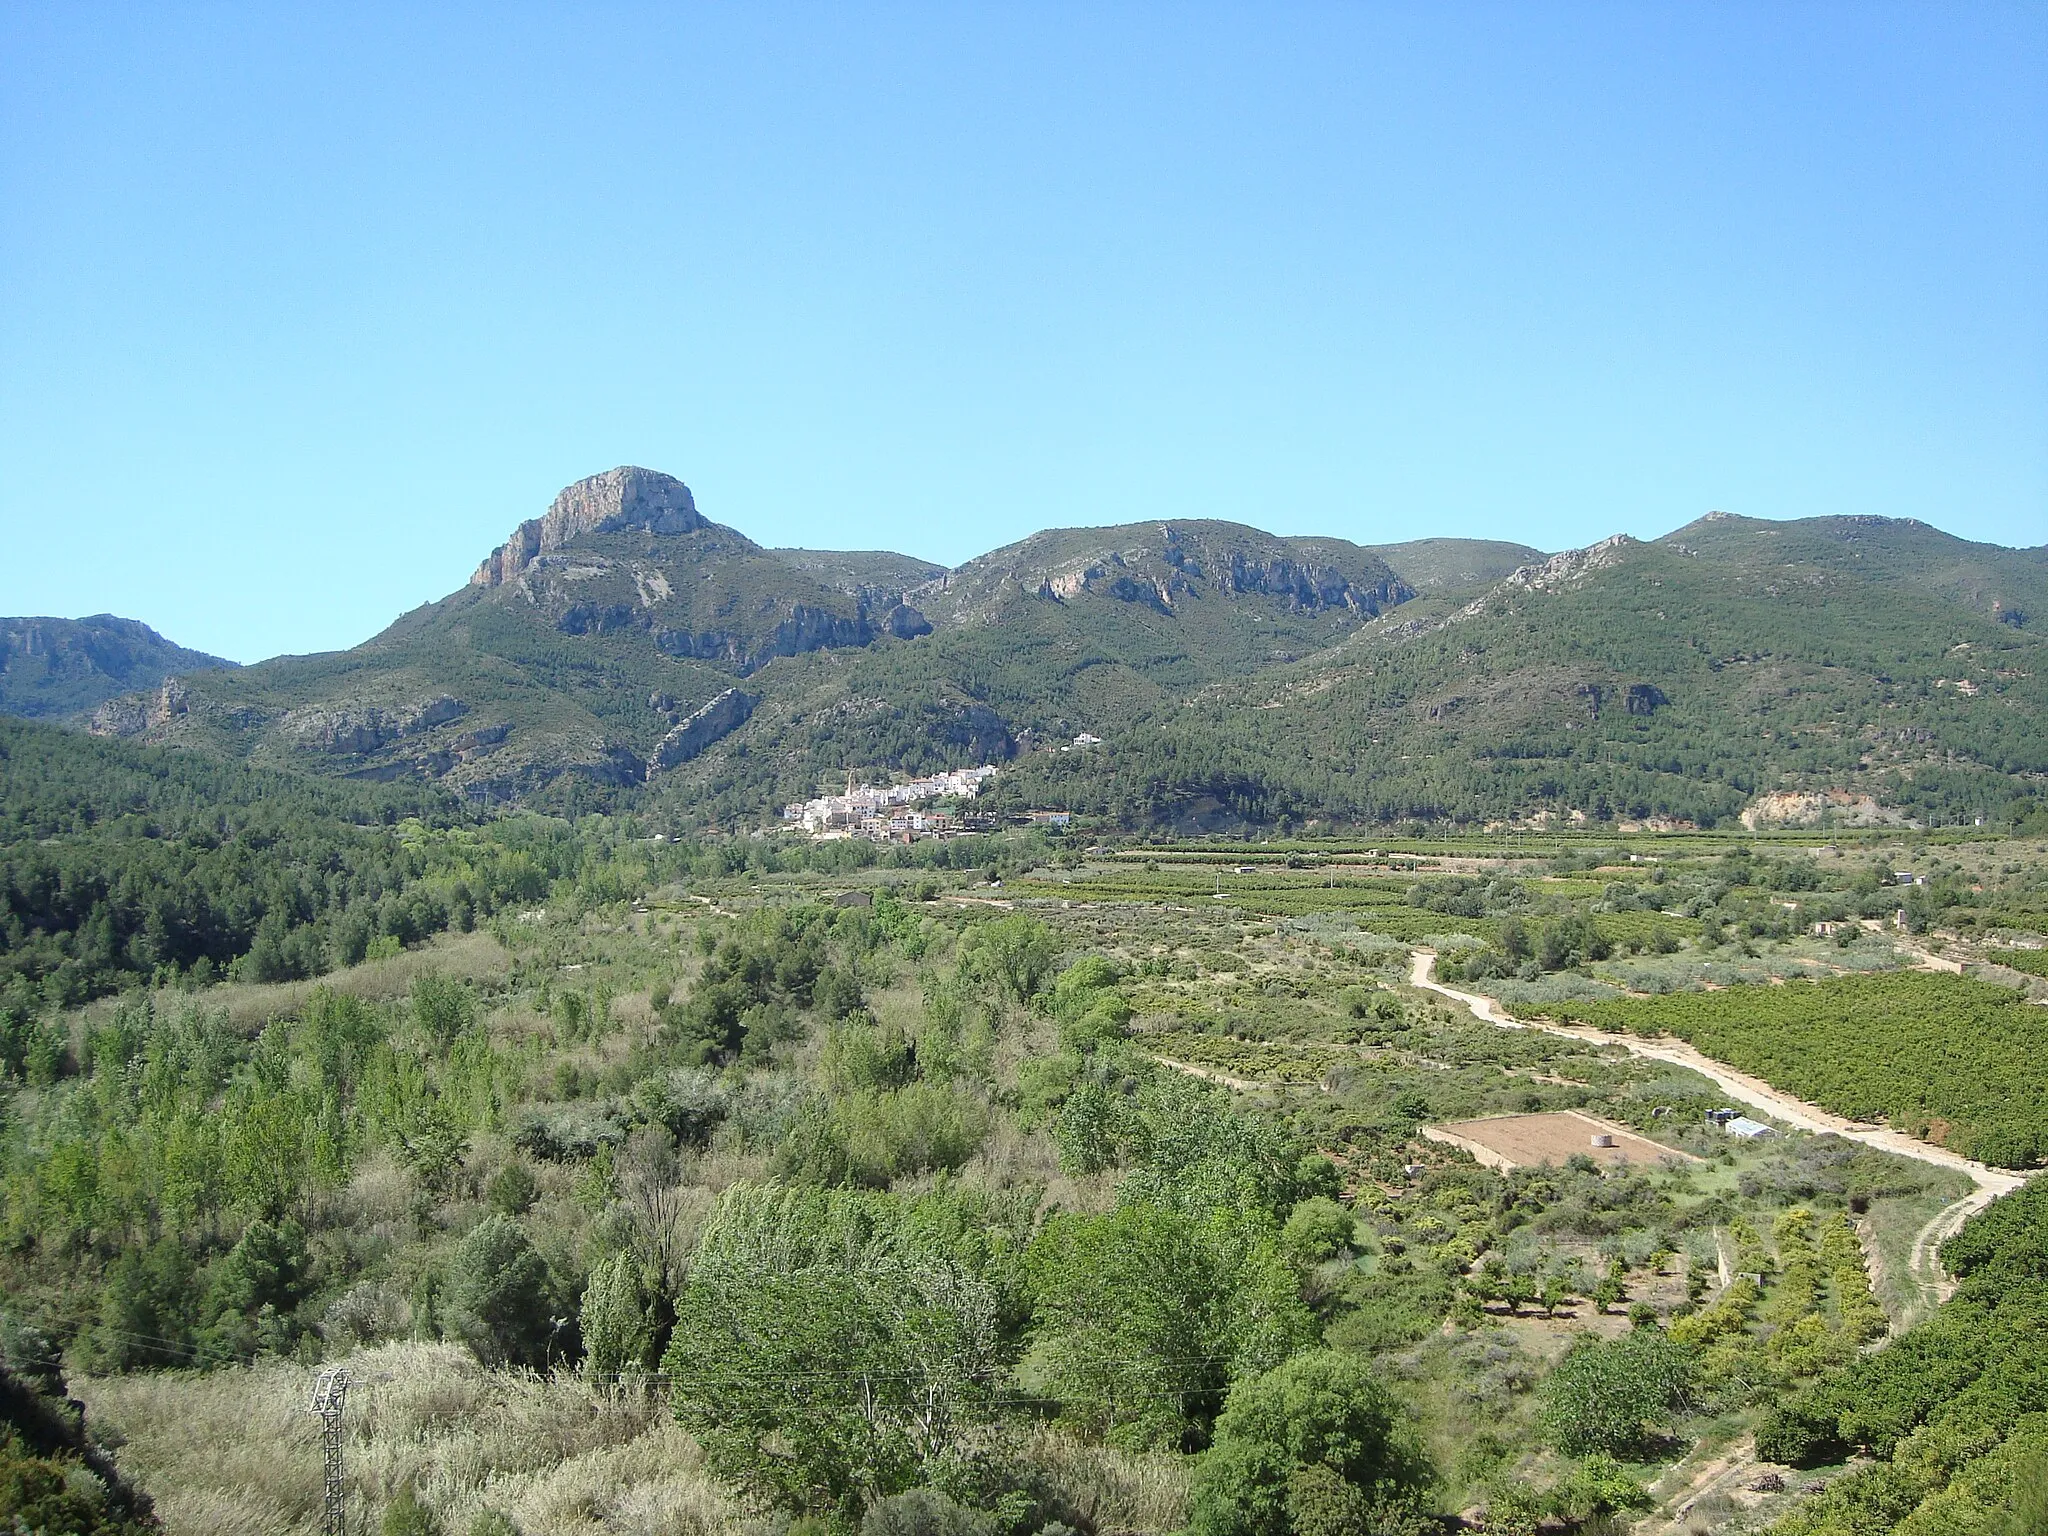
(1317, 1229)
(918, 1129)
(56, 1495)
(924, 1512)
(497, 1301)
(442, 1008)
(1316, 1444)
(405, 1515)
(1599, 1485)
(512, 1190)
(1609, 1397)
(859, 1053)
(1514, 1509)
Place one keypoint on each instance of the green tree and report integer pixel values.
(1145, 1314)
(792, 1388)
(1609, 1396)
(145, 1309)
(430, 1143)
(268, 1267)
(1013, 954)
(831, 1345)
(252, 1292)
(442, 1007)
(616, 1331)
(263, 1158)
(1314, 1445)
(1317, 1229)
(497, 1301)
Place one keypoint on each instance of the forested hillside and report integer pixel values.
(764, 1186)
(1631, 681)
(54, 669)
(623, 650)
(121, 864)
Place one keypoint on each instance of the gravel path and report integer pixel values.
(1989, 1182)
(1730, 1471)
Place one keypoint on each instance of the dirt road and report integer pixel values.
(1926, 1263)
(1727, 1473)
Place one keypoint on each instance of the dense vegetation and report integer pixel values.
(895, 1209)
(1657, 683)
(120, 864)
(54, 1481)
(1956, 1411)
(1960, 1062)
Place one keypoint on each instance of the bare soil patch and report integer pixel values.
(1521, 1141)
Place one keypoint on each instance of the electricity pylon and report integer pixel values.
(329, 1393)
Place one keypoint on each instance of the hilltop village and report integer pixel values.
(882, 811)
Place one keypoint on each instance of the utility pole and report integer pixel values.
(329, 1393)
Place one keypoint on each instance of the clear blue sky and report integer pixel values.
(302, 308)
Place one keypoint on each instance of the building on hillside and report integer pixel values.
(874, 810)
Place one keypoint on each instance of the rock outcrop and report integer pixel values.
(1310, 585)
(358, 730)
(1814, 807)
(135, 713)
(626, 497)
(698, 730)
(1306, 587)
(906, 623)
(1157, 565)
(803, 628)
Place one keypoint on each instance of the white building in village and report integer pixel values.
(862, 809)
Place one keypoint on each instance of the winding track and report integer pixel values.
(1988, 1183)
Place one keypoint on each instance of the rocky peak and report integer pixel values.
(619, 498)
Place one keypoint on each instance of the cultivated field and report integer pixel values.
(1521, 1141)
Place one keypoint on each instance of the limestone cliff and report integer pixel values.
(700, 729)
(626, 497)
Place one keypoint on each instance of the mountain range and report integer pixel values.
(54, 668)
(624, 647)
